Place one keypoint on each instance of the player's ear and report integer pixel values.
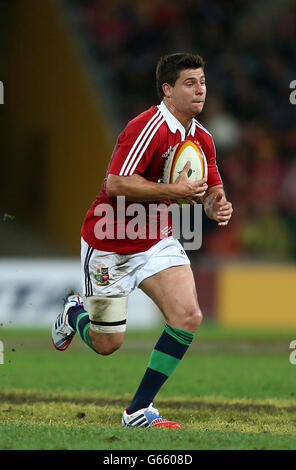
(166, 88)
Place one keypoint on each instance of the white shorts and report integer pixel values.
(109, 274)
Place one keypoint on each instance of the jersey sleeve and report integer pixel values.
(135, 148)
(214, 177)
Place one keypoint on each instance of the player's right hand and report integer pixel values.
(188, 189)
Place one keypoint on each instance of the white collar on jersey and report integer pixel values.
(173, 122)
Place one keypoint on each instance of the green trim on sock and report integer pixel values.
(84, 333)
(81, 315)
(86, 337)
(162, 362)
(183, 336)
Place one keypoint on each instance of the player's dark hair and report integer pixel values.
(169, 67)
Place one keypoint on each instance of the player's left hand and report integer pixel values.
(218, 208)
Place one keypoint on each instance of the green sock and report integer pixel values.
(166, 355)
(82, 326)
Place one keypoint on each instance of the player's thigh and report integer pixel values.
(107, 322)
(173, 290)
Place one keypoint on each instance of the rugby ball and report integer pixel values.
(177, 158)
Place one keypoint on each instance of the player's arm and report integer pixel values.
(129, 161)
(215, 202)
(137, 188)
(216, 205)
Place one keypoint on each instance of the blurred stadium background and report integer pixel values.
(74, 72)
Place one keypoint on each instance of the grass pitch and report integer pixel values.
(233, 390)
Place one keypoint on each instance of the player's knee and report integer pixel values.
(199, 318)
(188, 318)
(106, 344)
(191, 318)
(106, 348)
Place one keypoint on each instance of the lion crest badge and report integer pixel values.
(102, 275)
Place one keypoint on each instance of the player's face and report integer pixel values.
(188, 94)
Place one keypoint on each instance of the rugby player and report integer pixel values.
(112, 267)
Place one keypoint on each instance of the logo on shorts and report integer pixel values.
(102, 275)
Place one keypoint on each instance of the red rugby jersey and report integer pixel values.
(141, 149)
